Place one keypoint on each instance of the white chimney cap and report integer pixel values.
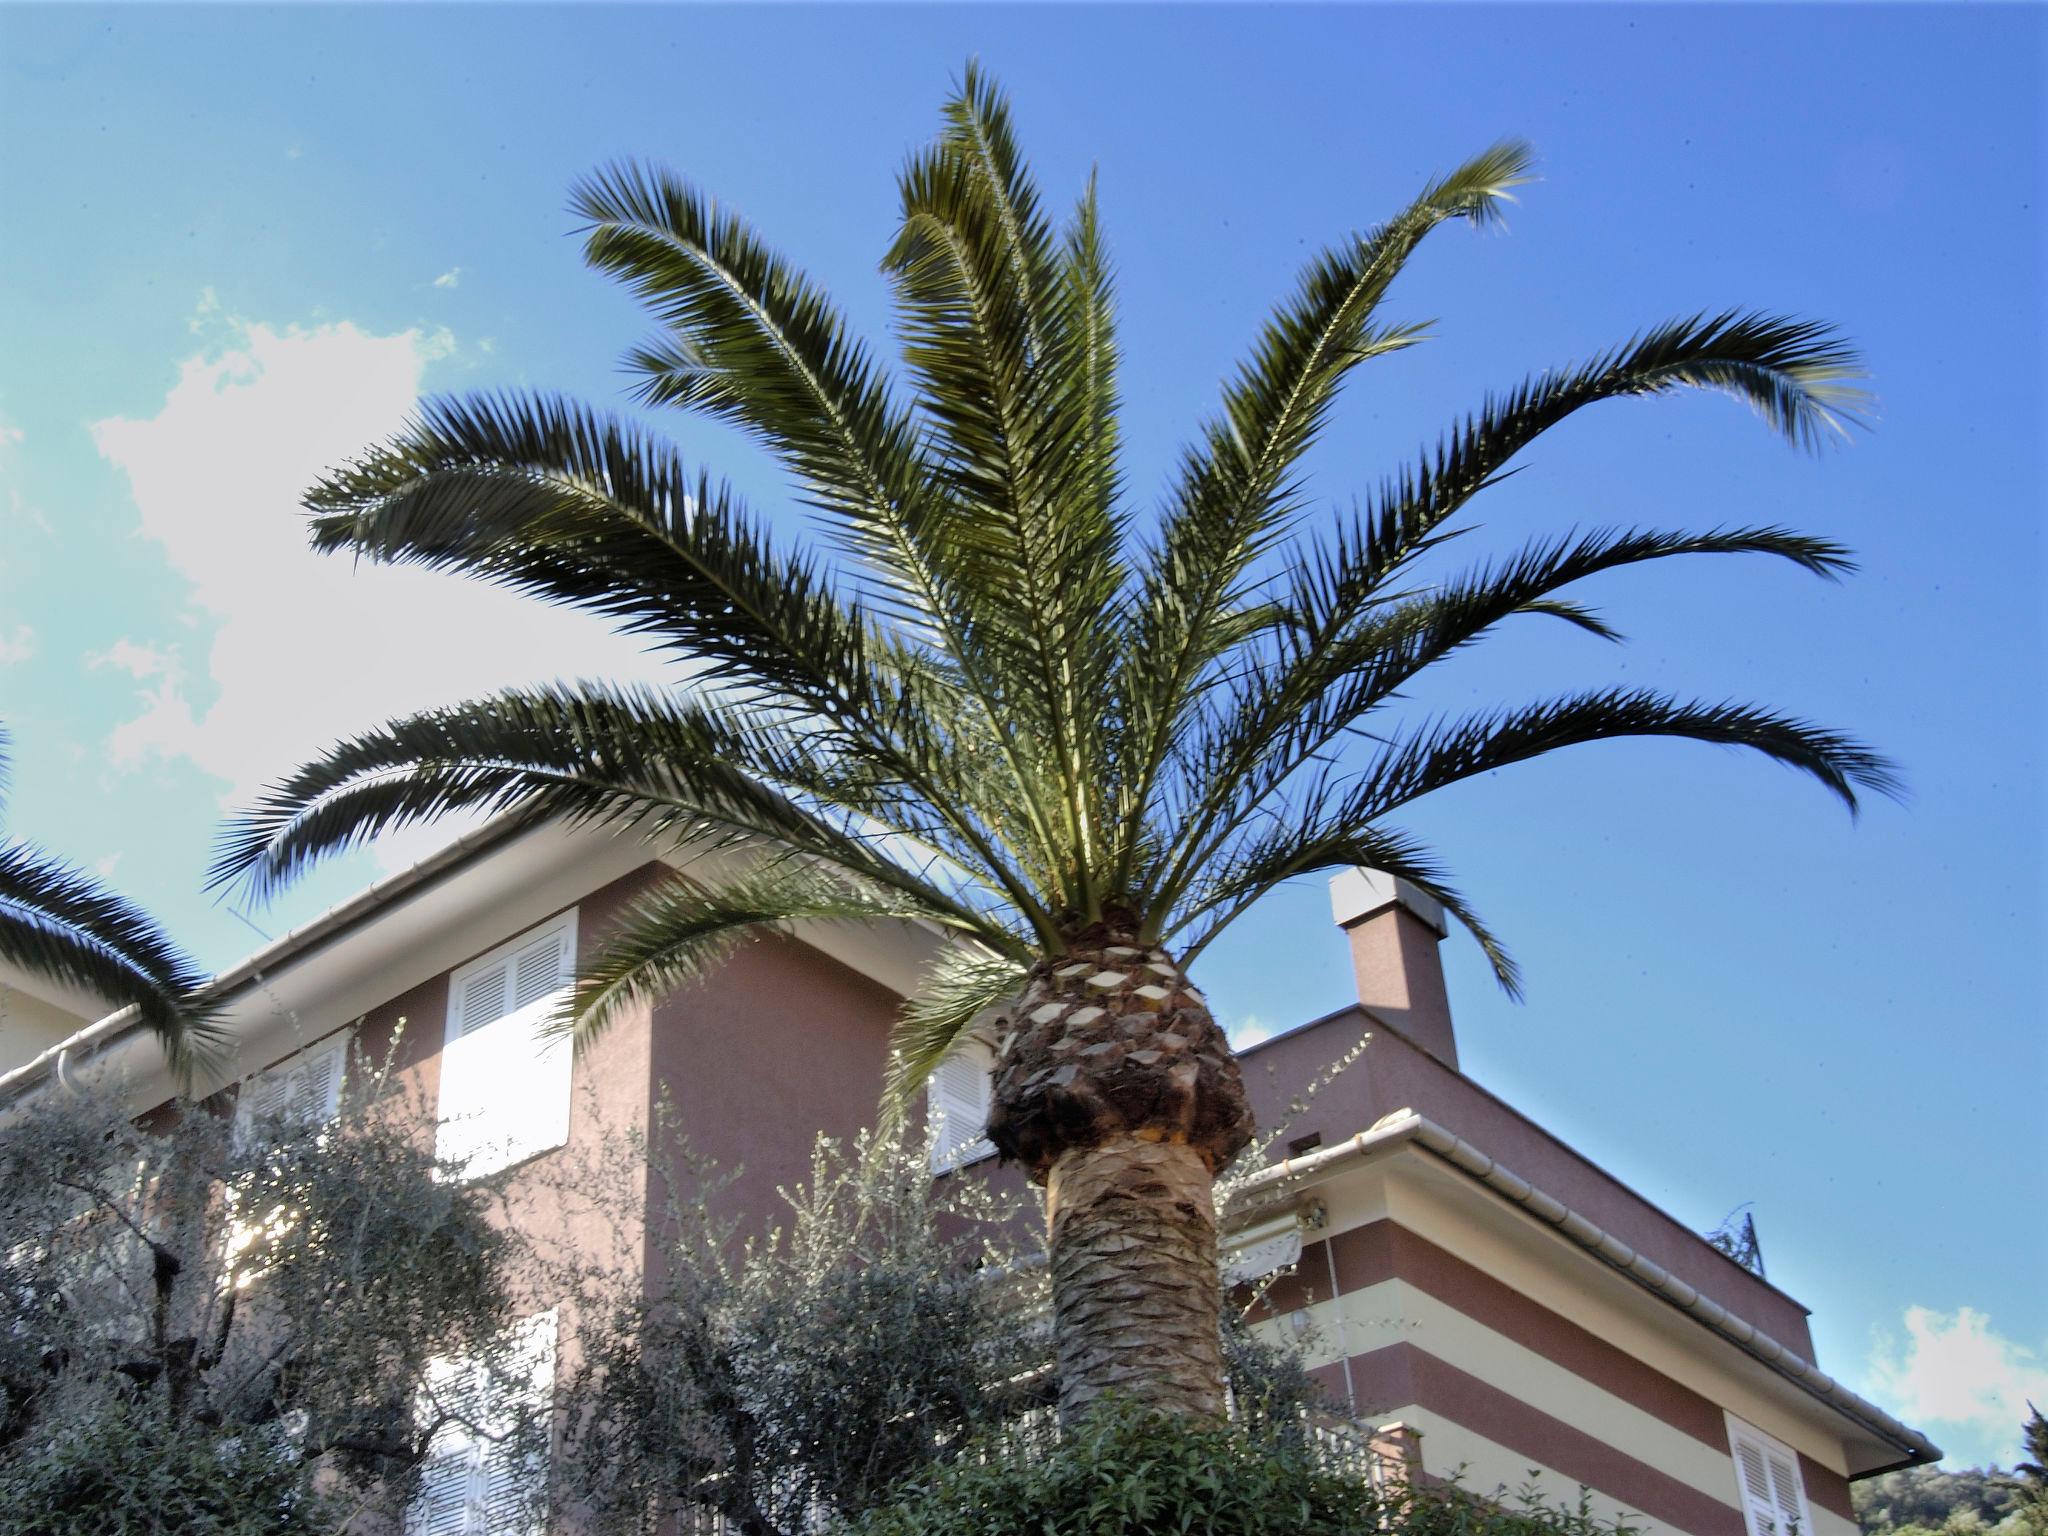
(1357, 894)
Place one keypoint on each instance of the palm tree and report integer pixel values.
(60, 923)
(1078, 743)
(2031, 1475)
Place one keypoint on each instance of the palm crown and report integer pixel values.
(1011, 711)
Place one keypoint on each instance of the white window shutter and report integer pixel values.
(315, 1085)
(512, 1475)
(267, 1094)
(1789, 1494)
(446, 1503)
(1756, 1489)
(537, 971)
(505, 1087)
(957, 1105)
(474, 1484)
(480, 999)
(1767, 1474)
(1257, 1253)
(441, 1507)
(305, 1089)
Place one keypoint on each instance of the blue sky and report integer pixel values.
(239, 241)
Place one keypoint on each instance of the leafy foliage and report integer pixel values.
(802, 1376)
(1965, 1501)
(237, 1316)
(1124, 1473)
(59, 922)
(805, 1369)
(2033, 1472)
(123, 1467)
(1014, 710)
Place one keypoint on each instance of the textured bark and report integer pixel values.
(1135, 1291)
(1115, 1089)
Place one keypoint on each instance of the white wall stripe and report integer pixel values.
(1396, 1311)
(1481, 1465)
(1567, 1294)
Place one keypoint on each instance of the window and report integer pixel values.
(504, 1085)
(956, 1106)
(482, 1477)
(298, 1094)
(1767, 1473)
(304, 1090)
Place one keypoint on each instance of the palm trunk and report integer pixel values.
(1135, 1294)
(1117, 1091)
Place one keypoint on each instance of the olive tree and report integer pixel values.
(800, 1377)
(213, 1323)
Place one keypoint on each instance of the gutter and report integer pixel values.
(1405, 1126)
(59, 1058)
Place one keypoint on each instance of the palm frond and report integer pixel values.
(1236, 494)
(1796, 373)
(1311, 845)
(1444, 753)
(955, 991)
(985, 308)
(1333, 667)
(547, 497)
(1087, 365)
(702, 771)
(676, 934)
(58, 922)
(750, 340)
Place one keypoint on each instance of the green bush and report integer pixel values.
(129, 1469)
(1125, 1473)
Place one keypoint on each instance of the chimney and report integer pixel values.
(1394, 931)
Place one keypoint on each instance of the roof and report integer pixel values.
(515, 869)
(249, 971)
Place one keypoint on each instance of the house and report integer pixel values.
(1484, 1298)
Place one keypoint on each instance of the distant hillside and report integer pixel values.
(1933, 1501)
(1927, 1501)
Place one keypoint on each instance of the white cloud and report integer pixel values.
(207, 307)
(17, 646)
(305, 647)
(1248, 1031)
(138, 661)
(1962, 1381)
(449, 278)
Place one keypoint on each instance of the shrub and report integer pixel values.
(794, 1382)
(1127, 1473)
(128, 1468)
